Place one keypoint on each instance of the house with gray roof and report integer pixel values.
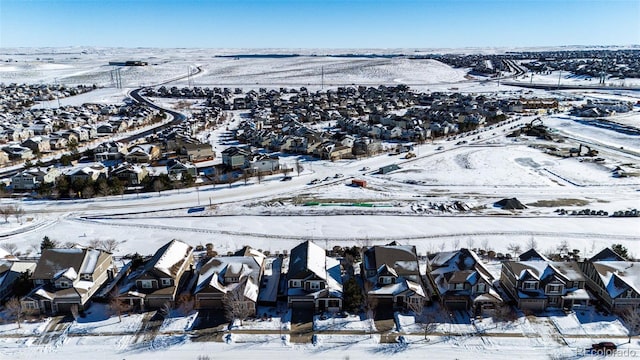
(539, 284)
(158, 280)
(462, 282)
(67, 277)
(10, 270)
(221, 275)
(614, 280)
(314, 280)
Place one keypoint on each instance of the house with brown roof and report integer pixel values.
(392, 276)
(158, 280)
(67, 277)
(614, 280)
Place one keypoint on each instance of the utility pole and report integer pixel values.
(559, 77)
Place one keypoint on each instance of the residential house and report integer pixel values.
(265, 164)
(539, 284)
(130, 174)
(87, 172)
(17, 152)
(4, 158)
(221, 275)
(236, 158)
(177, 170)
(67, 277)
(38, 144)
(32, 178)
(10, 271)
(197, 151)
(158, 280)
(142, 153)
(392, 276)
(57, 142)
(613, 280)
(109, 151)
(314, 280)
(462, 282)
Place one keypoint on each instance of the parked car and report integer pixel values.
(337, 176)
(286, 178)
(605, 346)
(366, 168)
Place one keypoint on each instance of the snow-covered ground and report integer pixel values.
(271, 215)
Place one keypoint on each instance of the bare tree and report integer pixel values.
(14, 309)
(417, 307)
(485, 244)
(505, 313)
(456, 244)
(157, 186)
(631, 319)
(470, 243)
(236, 306)
(11, 248)
(165, 310)
(111, 245)
(299, 167)
(186, 303)
(514, 248)
(117, 305)
(6, 212)
(563, 247)
(75, 311)
(95, 243)
(532, 243)
(285, 170)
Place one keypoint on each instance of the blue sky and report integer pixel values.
(318, 24)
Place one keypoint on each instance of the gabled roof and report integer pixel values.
(619, 276)
(55, 262)
(402, 258)
(607, 254)
(309, 257)
(170, 258)
(247, 269)
(532, 254)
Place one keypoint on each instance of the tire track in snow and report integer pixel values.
(352, 238)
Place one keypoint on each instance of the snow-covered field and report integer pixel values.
(271, 215)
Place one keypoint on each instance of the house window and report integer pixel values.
(64, 284)
(458, 286)
(482, 287)
(294, 283)
(166, 282)
(414, 300)
(30, 305)
(386, 280)
(146, 284)
(86, 277)
(530, 285)
(554, 288)
(314, 285)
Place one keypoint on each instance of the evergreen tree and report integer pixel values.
(352, 295)
(620, 250)
(47, 243)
